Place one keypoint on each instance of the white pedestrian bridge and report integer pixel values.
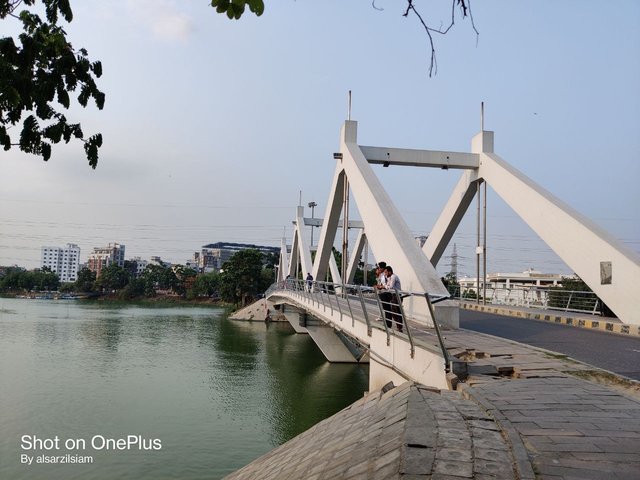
(347, 322)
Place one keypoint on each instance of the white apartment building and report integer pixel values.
(64, 261)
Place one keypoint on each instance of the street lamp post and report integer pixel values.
(312, 206)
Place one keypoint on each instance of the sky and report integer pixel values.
(213, 127)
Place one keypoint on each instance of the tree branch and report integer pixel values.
(433, 66)
(465, 6)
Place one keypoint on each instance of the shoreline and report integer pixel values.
(159, 301)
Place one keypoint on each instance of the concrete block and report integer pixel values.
(447, 314)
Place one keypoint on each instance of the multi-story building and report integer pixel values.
(211, 257)
(64, 261)
(526, 279)
(102, 257)
(139, 265)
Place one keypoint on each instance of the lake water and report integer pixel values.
(214, 394)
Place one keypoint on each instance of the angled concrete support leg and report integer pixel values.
(329, 226)
(451, 216)
(586, 248)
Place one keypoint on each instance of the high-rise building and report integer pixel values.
(102, 257)
(64, 261)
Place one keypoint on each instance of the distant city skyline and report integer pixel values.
(213, 135)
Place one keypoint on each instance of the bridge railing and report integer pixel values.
(366, 304)
(533, 297)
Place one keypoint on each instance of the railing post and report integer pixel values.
(384, 319)
(569, 302)
(324, 304)
(405, 322)
(364, 310)
(346, 295)
(445, 353)
(315, 293)
(329, 299)
(338, 302)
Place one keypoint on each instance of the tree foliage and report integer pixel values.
(85, 281)
(206, 284)
(38, 72)
(235, 8)
(242, 277)
(113, 277)
(19, 279)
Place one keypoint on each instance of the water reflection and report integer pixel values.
(304, 385)
(104, 334)
(236, 346)
(219, 393)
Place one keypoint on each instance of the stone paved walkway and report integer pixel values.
(410, 432)
(570, 428)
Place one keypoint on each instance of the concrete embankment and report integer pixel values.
(258, 311)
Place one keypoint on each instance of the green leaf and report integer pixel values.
(63, 96)
(65, 10)
(45, 149)
(83, 98)
(256, 6)
(97, 69)
(53, 132)
(91, 149)
(5, 139)
(223, 5)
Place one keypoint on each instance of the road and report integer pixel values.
(604, 350)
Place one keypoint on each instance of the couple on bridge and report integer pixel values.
(389, 285)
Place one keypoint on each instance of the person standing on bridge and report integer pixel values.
(384, 295)
(309, 281)
(393, 286)
(381, 279)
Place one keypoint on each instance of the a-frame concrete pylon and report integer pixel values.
(388, 234)
(609, 268)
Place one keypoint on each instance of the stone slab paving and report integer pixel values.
(564, 426)
(408, 432)
(571, 428)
